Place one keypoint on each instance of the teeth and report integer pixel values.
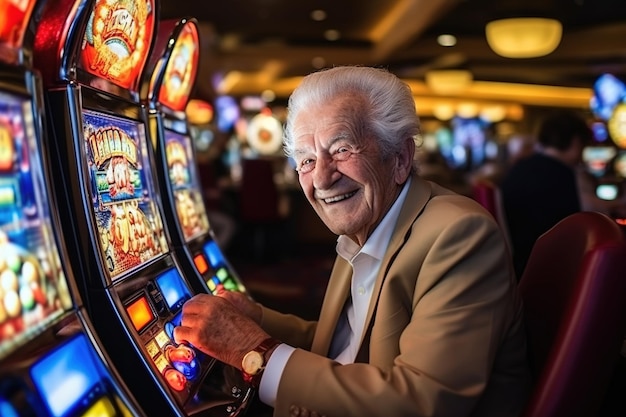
(339, 197)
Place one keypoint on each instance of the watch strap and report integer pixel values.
(262, 348)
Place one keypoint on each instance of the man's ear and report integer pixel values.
(404, 161)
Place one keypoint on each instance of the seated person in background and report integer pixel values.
(541, 189)
(421, 315)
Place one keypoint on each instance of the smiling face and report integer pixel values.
(341, 168)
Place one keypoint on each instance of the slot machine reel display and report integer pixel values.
(50, 360)
(134, 286)
(167, 87)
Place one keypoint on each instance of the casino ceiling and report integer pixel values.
(249, 46)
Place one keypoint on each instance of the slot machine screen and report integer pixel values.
(469, 137)
(123, 192)
(227, 112)
(33, 289)
(72, 381)
(185, 185)
(597, 158)
(173, 289)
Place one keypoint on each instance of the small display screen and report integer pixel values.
(71, 378)
(607, 191)
(185, 184)
(33, 287)
(123, 192)
(213, 252)
(140, 313)
(173, 288)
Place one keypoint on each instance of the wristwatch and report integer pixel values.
(253, 362)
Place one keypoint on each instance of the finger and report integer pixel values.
(182, 334)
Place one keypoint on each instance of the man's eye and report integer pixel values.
(306, 165)
(342, 153)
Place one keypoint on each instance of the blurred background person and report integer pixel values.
(541, 189)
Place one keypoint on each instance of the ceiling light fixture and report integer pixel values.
(446, 40)
(524, 37)
(332, 35)
(452, 81)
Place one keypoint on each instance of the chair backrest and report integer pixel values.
(488, 195)
(485, 192)
(259, 197)
(574, 292)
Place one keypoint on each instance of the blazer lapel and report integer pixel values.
(336, 296)
(418, 195)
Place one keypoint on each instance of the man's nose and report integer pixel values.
(325, 172)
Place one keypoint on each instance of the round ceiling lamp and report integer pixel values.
(524, 37)
(265, 134)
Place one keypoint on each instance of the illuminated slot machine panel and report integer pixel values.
(189, 214)
(50, 362)
(132, 282)
(172, 72)
(140, 274)
(223, 274)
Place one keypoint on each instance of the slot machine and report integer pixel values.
(51, 361)
(94, 52)
(166, 91)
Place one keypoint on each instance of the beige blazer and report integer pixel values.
(444, 332)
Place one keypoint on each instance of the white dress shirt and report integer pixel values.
(366, 262)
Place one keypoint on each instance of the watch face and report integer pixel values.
(252, 363)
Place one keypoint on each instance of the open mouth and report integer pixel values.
(339, 198)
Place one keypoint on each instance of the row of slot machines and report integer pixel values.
(103, 230)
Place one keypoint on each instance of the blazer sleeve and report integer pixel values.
(435, 354)
(288, 328)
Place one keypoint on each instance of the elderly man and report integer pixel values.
(421, 316)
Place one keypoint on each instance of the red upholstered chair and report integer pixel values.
(488, 195)
(259, 202)
(574, 292)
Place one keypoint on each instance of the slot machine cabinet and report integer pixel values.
(133, 284)
(51, 361)
(166, 90)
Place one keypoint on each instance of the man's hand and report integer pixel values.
(218, 328)
(243, 303)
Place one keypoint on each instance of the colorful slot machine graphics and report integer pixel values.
(129, 226)
(117, 40)
(188, 200)
(180, 72)
(13, 21)
(33, 289)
